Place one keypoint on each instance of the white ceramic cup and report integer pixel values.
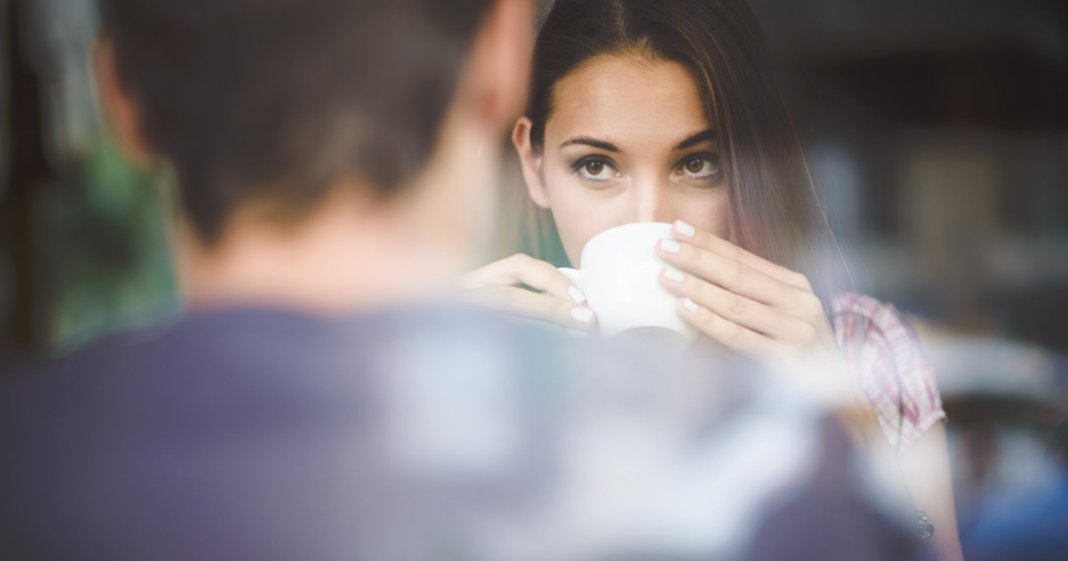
(620, 276)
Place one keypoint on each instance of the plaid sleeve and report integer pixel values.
(890, 366)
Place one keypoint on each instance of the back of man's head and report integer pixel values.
(277, 100)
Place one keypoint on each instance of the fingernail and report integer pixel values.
(669, 246)
(689, 305)
(674, 275)
(576, 294)
(685, 229)
(582, 315)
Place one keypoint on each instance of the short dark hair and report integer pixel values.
(275, 100)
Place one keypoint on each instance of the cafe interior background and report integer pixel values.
(937, 133)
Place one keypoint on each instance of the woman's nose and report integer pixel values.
(653, 203)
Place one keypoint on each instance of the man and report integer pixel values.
(332, 159)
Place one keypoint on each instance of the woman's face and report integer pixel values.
(627, 141)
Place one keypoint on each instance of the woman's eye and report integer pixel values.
(595, 169)
(705, 167)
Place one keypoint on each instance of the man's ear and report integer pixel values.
(120, 109)
(500, 61)
(530, 160)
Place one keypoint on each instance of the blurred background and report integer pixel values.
(937, 133)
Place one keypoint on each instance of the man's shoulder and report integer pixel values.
(229, 349)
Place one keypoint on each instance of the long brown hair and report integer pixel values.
(774, 210)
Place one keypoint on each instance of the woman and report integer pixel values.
(667, 112)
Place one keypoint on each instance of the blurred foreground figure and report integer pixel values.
(315, 403)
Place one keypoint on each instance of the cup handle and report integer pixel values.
(573, 275)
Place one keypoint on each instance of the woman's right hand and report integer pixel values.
(553, 296)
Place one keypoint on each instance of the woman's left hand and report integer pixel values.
(762, 309)
(741, 300)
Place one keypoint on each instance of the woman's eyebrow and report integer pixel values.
(695, 139)
(587, 141)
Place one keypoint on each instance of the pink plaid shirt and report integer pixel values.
(890, 365)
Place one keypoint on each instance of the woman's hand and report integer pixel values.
(759, 308)
(553, 297)
(739, 299)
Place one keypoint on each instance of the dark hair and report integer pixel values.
(275, 100)
(774, 211)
